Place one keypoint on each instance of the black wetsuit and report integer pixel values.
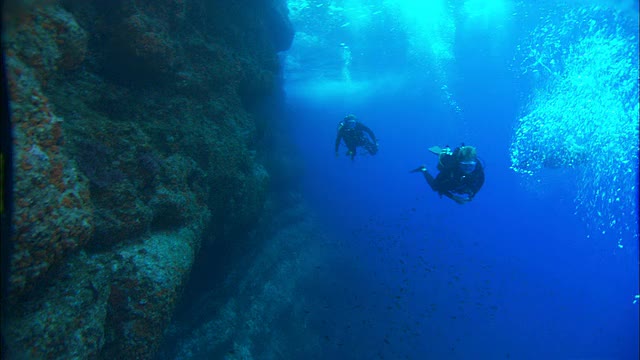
(356, 137)
(451, 181)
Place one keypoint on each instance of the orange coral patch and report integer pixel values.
(56, 131)
(56, 175)
(67, 202)
(26, 166)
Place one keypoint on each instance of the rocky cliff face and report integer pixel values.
(135, 129)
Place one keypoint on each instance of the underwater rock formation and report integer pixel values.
(257, 306)
(135, 129)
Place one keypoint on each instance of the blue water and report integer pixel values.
(518, 273)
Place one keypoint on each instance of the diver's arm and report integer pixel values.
(338, 139)
(478, 181)
(368, 131)
(456, 198)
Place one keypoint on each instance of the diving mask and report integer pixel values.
(467, 167)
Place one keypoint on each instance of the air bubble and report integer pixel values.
(595, 80)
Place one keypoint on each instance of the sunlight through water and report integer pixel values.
(336, 40)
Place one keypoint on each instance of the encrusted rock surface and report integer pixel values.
(258, 305)
(135, 129)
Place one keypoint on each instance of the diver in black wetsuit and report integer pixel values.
(461, 173)
(353, 133)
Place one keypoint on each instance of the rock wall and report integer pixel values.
(135, 129)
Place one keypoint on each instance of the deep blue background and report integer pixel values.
(510, 275)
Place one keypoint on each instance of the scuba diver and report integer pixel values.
(461, 173)
(353, 133)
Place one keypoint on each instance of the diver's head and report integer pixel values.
(467, 159)
(349, 121)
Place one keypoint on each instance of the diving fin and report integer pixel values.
(435, 149)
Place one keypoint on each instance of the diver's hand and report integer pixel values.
(421, 168)
(460, 199)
